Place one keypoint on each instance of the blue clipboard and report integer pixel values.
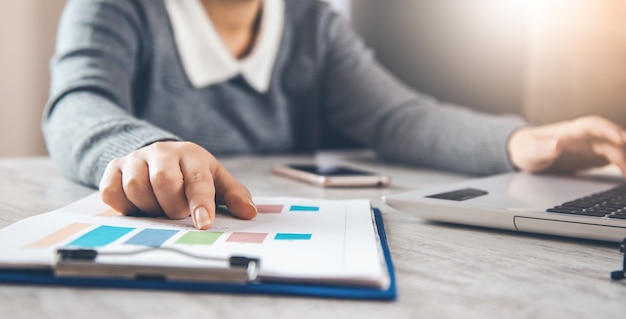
(47, 277)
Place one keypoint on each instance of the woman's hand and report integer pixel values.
(175, 179)
(569, 146)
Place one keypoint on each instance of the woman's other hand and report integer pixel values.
(569, 146)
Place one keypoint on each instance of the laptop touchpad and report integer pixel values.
(461, 194)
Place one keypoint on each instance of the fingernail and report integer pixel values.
(201, 218)
(253, 207)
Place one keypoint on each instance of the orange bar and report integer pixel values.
(59, 235)
(110, 213)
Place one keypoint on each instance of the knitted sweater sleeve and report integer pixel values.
(88, 119)
(367, 103)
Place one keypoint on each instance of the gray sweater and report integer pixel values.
(118, 84)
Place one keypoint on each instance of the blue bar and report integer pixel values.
(296, 208)
(101, 236)
(283, 236)
(151, 237)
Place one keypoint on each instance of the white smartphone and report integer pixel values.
(332, 176)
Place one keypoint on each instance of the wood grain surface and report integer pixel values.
(443, 271)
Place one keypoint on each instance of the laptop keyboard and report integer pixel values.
(610, 203)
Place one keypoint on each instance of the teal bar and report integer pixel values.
(284, 236)
(101, 236)
(296, 208)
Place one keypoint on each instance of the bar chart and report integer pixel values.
(104, 235)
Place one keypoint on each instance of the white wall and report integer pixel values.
(469, 52)
(549, 60)
(27, 29)
(577, 60)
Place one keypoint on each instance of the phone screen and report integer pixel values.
(330, 170)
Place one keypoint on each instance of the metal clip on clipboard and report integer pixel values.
(621, 274)
(84, 263)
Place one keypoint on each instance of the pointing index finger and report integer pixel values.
(199, 190)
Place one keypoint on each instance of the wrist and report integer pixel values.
(515, 143)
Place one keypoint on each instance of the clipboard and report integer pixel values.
(248, 286)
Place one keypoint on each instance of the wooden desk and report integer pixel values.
(442, 270)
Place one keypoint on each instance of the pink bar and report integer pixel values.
(242, 237)
(269, 209)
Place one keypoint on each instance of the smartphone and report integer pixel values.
(332, 176)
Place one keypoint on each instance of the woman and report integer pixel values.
(144, 93)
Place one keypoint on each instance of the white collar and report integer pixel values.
(206, 59)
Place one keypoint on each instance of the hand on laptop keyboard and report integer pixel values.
(569, 146)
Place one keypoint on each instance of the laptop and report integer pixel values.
(590, 207)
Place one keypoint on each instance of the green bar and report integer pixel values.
(199, 238)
